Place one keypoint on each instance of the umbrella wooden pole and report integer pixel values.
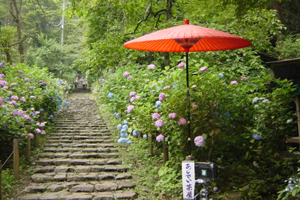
(188, 104)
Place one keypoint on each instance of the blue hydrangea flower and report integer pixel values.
(129, 142)
(255, 100)
(257, 136)
(123, 135)
(221, 75)
(119, 127)
(145, 136)
(124, 122)
(117, 115)
(158, 104)
(59, 107)
(65, 103)
(123, 130)
(110, 95)
(265, 100)
(42, 110)
(125, 127)
(7, 98)
(135, 132)
(51, 116)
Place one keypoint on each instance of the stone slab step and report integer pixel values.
(79, 155)
(69, 161)
(98, 133)
(92, 176)
(79, 186)
(81, 131)
(81, 141)
(78, 145)
(58, 138)
(81, 168)
(125, 195)
(86, 150)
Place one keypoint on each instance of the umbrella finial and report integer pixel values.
(186, 21)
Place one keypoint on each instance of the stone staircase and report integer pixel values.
(80, 161)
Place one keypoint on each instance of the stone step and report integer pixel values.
(70, 134)
(69, 161)
(92, 127)
(79, 155)
(92, 176)
(81, 131)
(81, 168)
(78, 145)
(64, 195)
(83, 150)
(81, 141)
(103, 137)
(79, 186)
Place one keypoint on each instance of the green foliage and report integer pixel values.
(8, 182)
(288, 48)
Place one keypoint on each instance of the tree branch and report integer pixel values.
(145, 18)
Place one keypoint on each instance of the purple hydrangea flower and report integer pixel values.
(233, 82)
(1, 101)
(132, 94)
(199, 141)
(126, 74)
(151, 66)
(15, 97)
(129, 77)
(182, 121)
(130, 108)
(160, 138)
(3, 83)
(161, 96)
(172, 115)
(266, 101)
(155, 116)
(2, 76)
(202, 69)
(244, 78)
(159, 123)
(13, 102)
(257, 136)
(181, 65)
(20, 72)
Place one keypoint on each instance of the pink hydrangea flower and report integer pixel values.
(15, 97)
(160, 138)
(41, 124)
(181, 65)
(126, 74)
(13, 84)
(167, 87)
(138, 97)
(172, 115)
(151, 66)
(27, 117)
(23, 99)
(5, 87)
(193, 86)
(30, 135)
(2, 76)
(1, 101)
(32, 97)
(202, 69)
(155, 116)
(161, 96)
(13, 102)
(132, 99)
(37, 130)
(9, 92)
(129, 77)
(4, 106)
(132, 94)
(27, 79)
(123, 86)
(195, 106)
(43, 132)
(233, 82)
(244, 78)
(159, 123)
(182, 121)
(130, 108)
(199, 141)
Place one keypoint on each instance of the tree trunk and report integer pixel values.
(16, 13)
(169, 16)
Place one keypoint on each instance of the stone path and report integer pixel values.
(80, 161)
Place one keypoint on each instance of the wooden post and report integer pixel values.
(151, 145)
(36, 139)
(298, 113)
(28, 148)
(16, 161)
(0, 180)
(166, 154)
(28, 144)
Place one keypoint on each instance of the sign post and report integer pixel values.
(188, 179)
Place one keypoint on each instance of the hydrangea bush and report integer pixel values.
(26, 93)
(236, 119)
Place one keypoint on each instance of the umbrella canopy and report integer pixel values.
(187, 38)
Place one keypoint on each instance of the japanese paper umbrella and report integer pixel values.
(187, 38)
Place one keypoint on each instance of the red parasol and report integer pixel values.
(187, 38)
